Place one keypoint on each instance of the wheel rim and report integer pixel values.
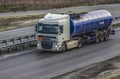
(106, 37)
(63, 47)
(102, 38)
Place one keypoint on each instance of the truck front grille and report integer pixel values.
(46, 45)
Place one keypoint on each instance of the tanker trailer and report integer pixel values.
(59, 32)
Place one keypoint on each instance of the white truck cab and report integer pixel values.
(52, 31)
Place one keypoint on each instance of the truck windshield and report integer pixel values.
(48, 29)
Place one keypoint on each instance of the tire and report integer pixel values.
(102, 38)
(63, 47)
(106, 37)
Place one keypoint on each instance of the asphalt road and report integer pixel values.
(113, 8)
(41, 65)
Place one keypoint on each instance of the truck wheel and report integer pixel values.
(106, 37)
(102, 38)
(63, 47)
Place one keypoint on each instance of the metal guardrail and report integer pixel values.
(15, 42)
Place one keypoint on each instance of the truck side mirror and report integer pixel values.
(36, 28)
(61, 28)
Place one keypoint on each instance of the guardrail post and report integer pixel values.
(27, 37)
(15, 48)
(23, 47)
(8, 50)
(20, 39)
(6, 42)
(34, 36)
(31, 44)
(13, 41)
(0, 52)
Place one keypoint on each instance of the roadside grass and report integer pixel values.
(3, 8)
(116, 25)
(108, 69)
(7, 5)
(7, 23)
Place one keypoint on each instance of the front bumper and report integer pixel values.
(54, 47)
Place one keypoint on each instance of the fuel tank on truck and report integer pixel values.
(88, 21)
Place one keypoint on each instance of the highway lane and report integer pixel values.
(27, 57)
(113, 8)
(30, 66)
(17, 33)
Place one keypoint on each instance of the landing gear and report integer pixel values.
(80, 43)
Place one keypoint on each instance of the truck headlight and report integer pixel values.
(56, 46)
(38, 44)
